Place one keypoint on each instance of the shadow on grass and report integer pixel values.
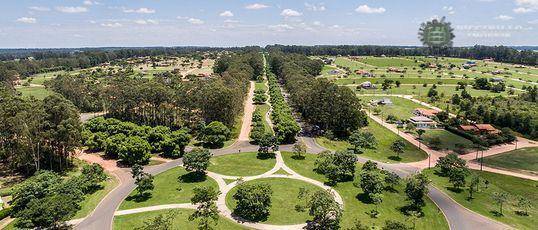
(455, 190)
(496, 213)
(364, 198)
(298, 157)
(395, 158)
(192, 177)
(139, 197)
(407, 209)
(265, 156)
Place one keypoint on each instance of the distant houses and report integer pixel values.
(363, 73)
(367, 85)
(395, 70)
(469, 64)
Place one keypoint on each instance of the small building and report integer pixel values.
(422, 122)
(496, 72)
(395, 70)
(487, 129)
(334, 72)
(430, 113)
(363, 73)
(385, 101)
(367, 85)
(468, 128)
(496, 79)
(471, 63)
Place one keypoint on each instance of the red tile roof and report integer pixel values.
(467, 127)
(427, 112)
(486, 127)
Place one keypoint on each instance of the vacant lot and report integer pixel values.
(448, 139)
(525, 159)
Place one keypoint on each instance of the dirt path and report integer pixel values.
(247, 114)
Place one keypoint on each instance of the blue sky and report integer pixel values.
(91, 23)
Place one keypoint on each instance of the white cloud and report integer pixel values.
(535, 21)
(226, 14)
(71, 9)
(146, 22)
(90, 2)
(317, 23)
(112, 24)
(256, 6)
(523, 10)
(27, 20)
(503, 17)
(449, 9)
(39, 8)
(195, 21)
(527, 3)
(142, 10)
(314, 7)
(281, 27)
(365, 9)
(230, 21)
(290, 13)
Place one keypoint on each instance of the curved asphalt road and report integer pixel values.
(458, 217)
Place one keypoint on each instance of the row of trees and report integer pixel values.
(37, 135)
(320, 102)
(499, 53)
(285, 126)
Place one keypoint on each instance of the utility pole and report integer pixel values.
(429, 160)
(482, 160)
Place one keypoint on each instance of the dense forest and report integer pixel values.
(320, 102)
(168, 99)
(499, 53)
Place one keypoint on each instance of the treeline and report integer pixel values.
(320, 102)
(37, 134)
(23, 63)
(499, 53)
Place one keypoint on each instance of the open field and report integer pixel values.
(356, 207)
(283, 200)
(525, 159)
(241, 164)
(401, 108)
(134, 221)
(38, 92)
(171, 187)
(484, 204)
(383, 152)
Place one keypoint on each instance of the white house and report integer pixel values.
(422, 122)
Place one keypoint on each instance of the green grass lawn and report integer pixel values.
(181, 220)
(171, 187)
(404, 80)
(354, 207)
(448, 139)
(260, 86)
(35, 91)
(91, 201)
(401, 108)
(241, 164)
(383, 152)
(263, 109)
(484, 204)
(525, 159)
(283, 200)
